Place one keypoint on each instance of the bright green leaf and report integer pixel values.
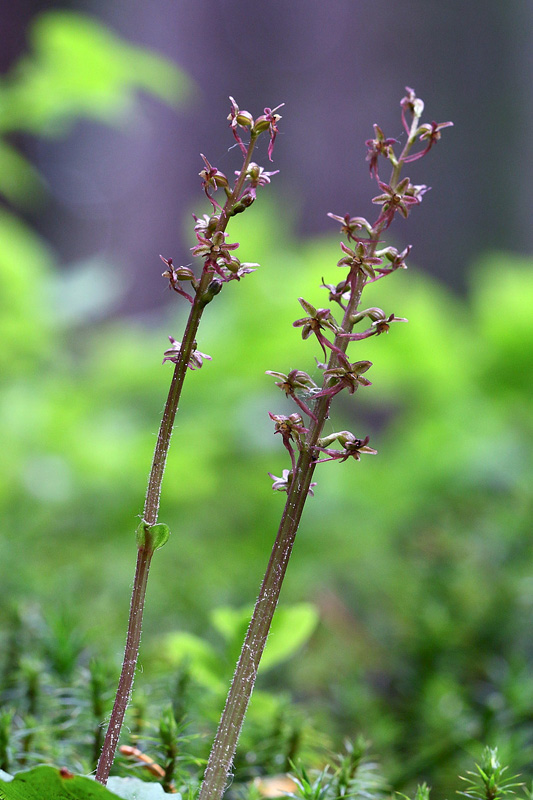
(291, 628)
(47, 782)
(229, 622)
(185, 650)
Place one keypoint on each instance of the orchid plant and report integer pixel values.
(365, 259)
(220, 266)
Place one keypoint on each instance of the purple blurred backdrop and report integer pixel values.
(339, 66)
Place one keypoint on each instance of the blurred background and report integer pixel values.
(412, 576)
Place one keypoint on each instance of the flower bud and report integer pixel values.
(212, 290)
(233, 264)
(236, 116)
(220, 179)
(264, 122)
(254, 171)
(244, 203)
(245, 119)
(211, 176)
(261, 124)
(184, 274)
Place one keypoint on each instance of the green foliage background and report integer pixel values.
(419, 560)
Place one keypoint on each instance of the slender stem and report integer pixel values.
(409, 143)
(221, 756)
(153, 494)
(225, 744)
(144, 554)
(131, 653)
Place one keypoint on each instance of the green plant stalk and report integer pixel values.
(232, 719)
(153, 494)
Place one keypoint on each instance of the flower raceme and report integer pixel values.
(366, 260)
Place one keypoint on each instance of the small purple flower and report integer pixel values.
(380, 323)
(396, 261)
(237, 117)
(338, 293)
(236, 269)
(317, 320)
(346, 376)
(177, 274)
(205, 225)
(352, 447)
(283, 484)
(359, 261)
(413, 104)
(399, 198)
(429, 133)
(214, 248)
(287, 426)
(379, 146)
(418, 191)
(173, 353)
(212, 178)
(292, 430)
(432, 132)
(268, 121)
(295, 381)
(257, 176)
(349, 225)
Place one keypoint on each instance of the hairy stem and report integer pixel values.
(129, 664)
(144, 554)
(153, 494)
(225, 744)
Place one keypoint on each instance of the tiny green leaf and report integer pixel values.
(153, 536)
